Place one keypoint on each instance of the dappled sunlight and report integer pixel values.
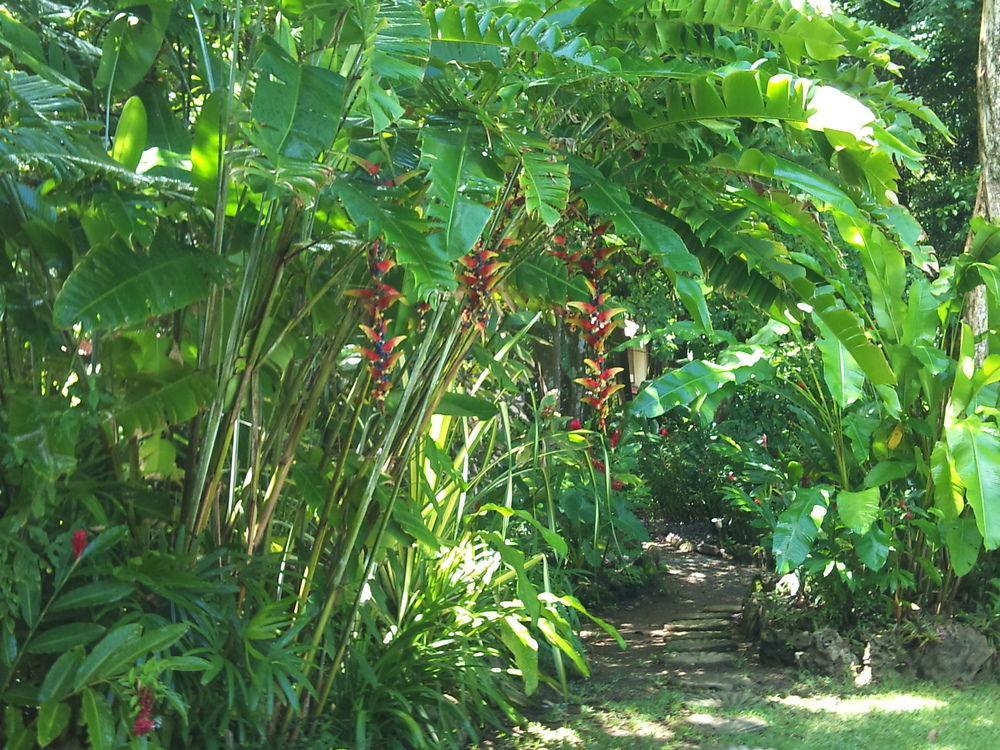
(892, 703)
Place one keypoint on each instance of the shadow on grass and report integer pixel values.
(813, 715)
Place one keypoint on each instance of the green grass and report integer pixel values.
(812, 714)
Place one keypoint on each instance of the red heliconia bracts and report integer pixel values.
(479, 274)
(383, 350)
(596, 320)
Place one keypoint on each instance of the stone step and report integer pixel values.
(709, 625)
(724, 681)
(688, 646)
(708, 615)
(704, 635)
(728, 608)
(697, 659)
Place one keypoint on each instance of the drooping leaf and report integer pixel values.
(858, 510)
(403, 230)
(176, 396)
(844, 378)
(130, 135)
(962, 539)
(975, 448)
(131, 44)
(524, 648)
(296, 107)
(949, 494)
(114, 287)
(455, 184)
(872, 547)
(98, 719)
(797, 528)
(544, 178)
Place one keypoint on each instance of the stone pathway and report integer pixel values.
(684, 638)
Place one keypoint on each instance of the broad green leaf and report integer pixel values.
(64, 637)
(176, 396)
(208, 147)
(98, 720)
(130, 135)
(114, 287)
(858, 510)
(975, 448)
(605, 198)
(845, 326)
(29, 595)
(680, 387)
(131, 44)
(17, 735)
(553, 636)
(961, 389)
(158, 458)
(296, 107)
(109, 656)
(797, 528)
(59, 680)
(887, 471)
(92, 595)
(524, 648)
(872, 547)
(53, 718)
(949, 494)
(844, 378)
(962, 538)
(454, 183)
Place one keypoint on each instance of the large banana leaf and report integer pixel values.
(975, 447)
(114, 287)
(176, 397)
(296, 107)
(844, 378)
(454, 184)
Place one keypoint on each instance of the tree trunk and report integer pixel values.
(988, 198)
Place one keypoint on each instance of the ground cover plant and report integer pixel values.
(280, 461)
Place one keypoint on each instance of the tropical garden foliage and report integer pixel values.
(291, 455)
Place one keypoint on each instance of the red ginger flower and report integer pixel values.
(616, 438)
(79, 543)
(575, 424)
(598, 464)
(617, 484)
(144, 723)
(664, 431)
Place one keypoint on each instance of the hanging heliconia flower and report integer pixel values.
(383, 350)
(596, 320)
(479, 274)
